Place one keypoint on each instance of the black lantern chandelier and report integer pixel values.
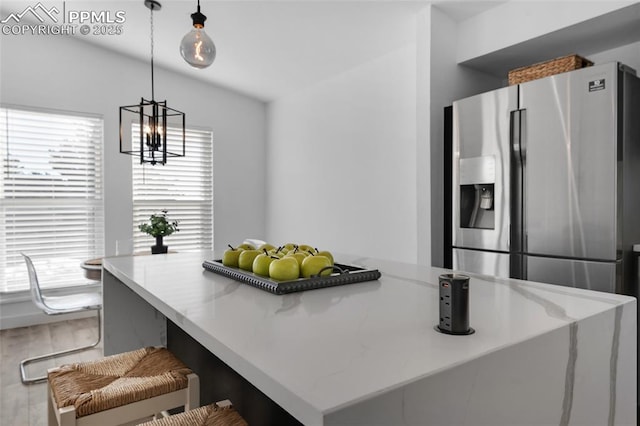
(150, 129)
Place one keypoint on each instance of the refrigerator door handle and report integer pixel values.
(523, 177)
(523, 138)
(516, 234)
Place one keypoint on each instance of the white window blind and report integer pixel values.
(51, 195)
(184, 187)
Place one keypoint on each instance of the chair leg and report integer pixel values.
(51, 414)
(193, 392)
(67, 416)
(28, 381)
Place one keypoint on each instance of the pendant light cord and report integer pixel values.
(153, 97)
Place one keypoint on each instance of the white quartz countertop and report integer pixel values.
(319, 351)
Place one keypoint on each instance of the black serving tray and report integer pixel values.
(343, 274)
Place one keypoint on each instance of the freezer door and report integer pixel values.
(481, 262)
(598, 276)
(570, 167)
(480, 181)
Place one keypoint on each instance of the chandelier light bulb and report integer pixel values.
(196, 47)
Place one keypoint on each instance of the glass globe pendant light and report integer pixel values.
(196, 47)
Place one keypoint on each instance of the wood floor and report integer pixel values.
(22, 405)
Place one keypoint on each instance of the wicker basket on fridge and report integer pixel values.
(547, 68)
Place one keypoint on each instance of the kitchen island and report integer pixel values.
(368, 354)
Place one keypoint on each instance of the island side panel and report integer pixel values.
(129, 321)
(562, 377)
(218, 381)
(607, 360)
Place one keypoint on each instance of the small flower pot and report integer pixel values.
(159, 248)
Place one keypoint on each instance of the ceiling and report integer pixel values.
(270, 48)
(267, 48)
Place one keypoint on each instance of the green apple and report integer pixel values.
(312, 265)
(276, 252)
(246, 246)
(246, 258)
(261, 263)
(266, 246)
(298, 255)
(307, 248)
(284, 269)
(231, 255)
(326, 254)
(289, 246)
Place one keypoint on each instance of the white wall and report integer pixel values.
(63, 73)
(448, 82)
(628, 55)
(423, 161)
(323, 132)
(66, 74)
(341, 166)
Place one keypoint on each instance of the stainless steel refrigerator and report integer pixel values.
(546, 180)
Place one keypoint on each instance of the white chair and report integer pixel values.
(58, 305)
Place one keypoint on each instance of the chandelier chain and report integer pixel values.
(153, 97)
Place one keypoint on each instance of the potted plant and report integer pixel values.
(159, 226)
